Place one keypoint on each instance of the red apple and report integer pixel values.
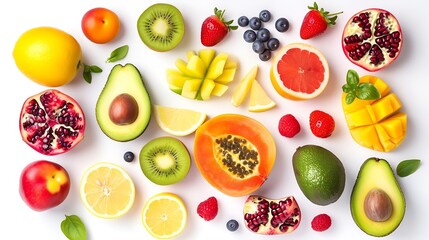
(100, 25)
(44, 184)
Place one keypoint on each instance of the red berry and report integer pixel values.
(289, 126)
(316, 21)
(321, 222)
(215, 28)
(321, 124)
(208, 209)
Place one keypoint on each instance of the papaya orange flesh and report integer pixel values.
(234, 153)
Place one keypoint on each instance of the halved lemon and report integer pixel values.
(178, 121)
(259, 99)
(299, 71)
(106, 190)
(164, 215)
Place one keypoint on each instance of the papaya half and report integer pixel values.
(234, 153)
(376, 124)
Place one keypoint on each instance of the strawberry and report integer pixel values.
(316, 21)
(208, 208)
(214, 28)
(289, 126)
(321, 124)
(321, 222)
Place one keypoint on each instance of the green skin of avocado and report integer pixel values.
(319, 174)
(376, 173)
(123, 79)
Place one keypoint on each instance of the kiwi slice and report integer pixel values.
(165, 160)
(161, 27)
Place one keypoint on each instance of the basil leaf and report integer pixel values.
(352, 77)
(118, 54)
(407, 167)
(350, 97)
(348, 89)
(87, 74)
(73, 228)
(95, 69)
(367, 91)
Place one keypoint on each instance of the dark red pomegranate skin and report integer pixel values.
(51, 122)
(372, 39)
(271, 216)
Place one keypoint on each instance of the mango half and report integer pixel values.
(376, 124)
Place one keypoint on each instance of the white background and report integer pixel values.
(406, 77)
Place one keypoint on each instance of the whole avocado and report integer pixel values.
(319, 173)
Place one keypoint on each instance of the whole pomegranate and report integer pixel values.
(271, 216)
(51, 122)
(372, 39)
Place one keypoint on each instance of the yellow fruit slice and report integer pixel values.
(164, 215)
(259, 99)
(107, 190)
(376, 124)
(178, 121)
(244, 86)
(206, 89)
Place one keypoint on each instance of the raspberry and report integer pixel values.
(289, 126)
(321, 124)
(321, 222)
(208, 209)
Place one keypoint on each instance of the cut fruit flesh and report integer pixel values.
(299, 72)
(259, 99)
(244, 87)
(164, 215)
(203, 76)
(178, 121)
(107, 191)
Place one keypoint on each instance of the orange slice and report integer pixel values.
(299, 71)
(164, 215)
(107, 191)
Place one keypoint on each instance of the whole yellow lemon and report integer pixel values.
(48, 56)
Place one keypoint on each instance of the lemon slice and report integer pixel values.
(244, 87)
(178, 121)
(164, 215)
(106, 190)
(259, 99)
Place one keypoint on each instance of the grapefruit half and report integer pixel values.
(299, 72)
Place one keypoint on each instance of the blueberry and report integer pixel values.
(258, 46)
(255, 23)
(282, 24)
(263, 34)
(129, 156)
(232, 225)
(273, 44)
(265, 15)
(249, 36)
(265, 55)
(243, 21)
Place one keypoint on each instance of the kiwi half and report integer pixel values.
(161, 27)
(165, 160)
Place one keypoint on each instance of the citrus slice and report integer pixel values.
(299, 72)
(107, 191)
(178, 121)
(164, 215)
(259, 99)
(244, 87)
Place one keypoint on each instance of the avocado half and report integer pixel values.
(377, 174)
(124, 80)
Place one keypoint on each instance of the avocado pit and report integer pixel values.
(378, 205)
(124, 109)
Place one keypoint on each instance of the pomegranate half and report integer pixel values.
(372, 39)
(51, 122)
(271, 216)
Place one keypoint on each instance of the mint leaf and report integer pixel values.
(367, 91)
(118, 54)
(407, 167)
(73, 228)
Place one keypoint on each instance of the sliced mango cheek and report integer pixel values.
(376, 124)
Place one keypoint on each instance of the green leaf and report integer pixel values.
(88, 70)
(347, 88)
(95, 69)
(367, 91)
(118, 54)
(73, 228)
(407, 167)
(350, 97)
(352, 77)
